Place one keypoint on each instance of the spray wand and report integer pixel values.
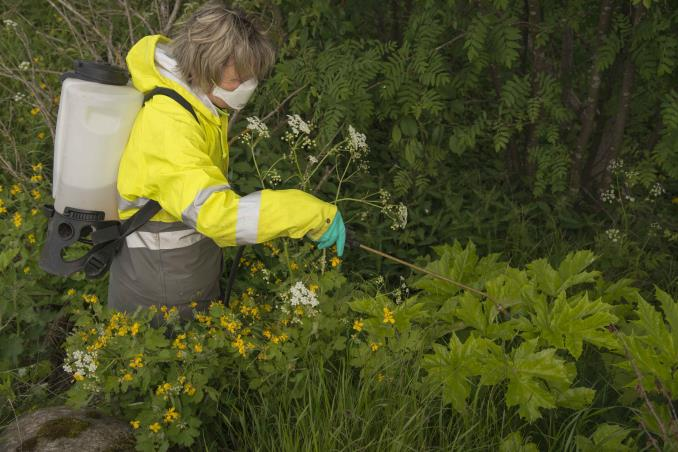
(354, 244)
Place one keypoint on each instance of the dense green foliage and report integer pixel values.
(519, 129)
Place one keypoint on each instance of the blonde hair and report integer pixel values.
(215, 34)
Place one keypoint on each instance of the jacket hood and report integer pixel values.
(147, 73)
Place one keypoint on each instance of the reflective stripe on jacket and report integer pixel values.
(183, 164)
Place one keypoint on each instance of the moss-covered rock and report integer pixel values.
(62, 429)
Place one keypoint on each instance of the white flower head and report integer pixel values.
(18, 97)
(615, 165)
(357, 143)
(614, 235)
(608, 195)
(299, 294)
(398, 214)
(9, 23)
(258, 126)
(298, 125)
(657, 190)
(24, 65)
(312, 159)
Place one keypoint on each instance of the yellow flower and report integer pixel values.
(239, 344)
(127, 377)
(374, 346)
(17, 219)
(267, 333)
(135, 424)
(171, 415)
(35, 193)
(137, 362)
(197, 348)
(335, 261)
(34, 211)
(194, 304)
(37, 168)
(380, 377)
(230, 325)
(313, 288)
(35, 111)
(294, 266)
(178, 342)
(91, 299)
(358, 325)
(15, 190)
(78, 376)
(163, 388)
(27, 270)
(267, 307)
(134, 329)
(36, 178)
(31, 238)
(41, 135)
(189, 389)
(155, 427)
(299, 310)
(388, 316)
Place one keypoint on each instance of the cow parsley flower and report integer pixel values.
(397, 213)
(9, 23)
(81, 364)
(298, 125)
(299, 294)
(18, 97)
(657, 190)
(258, 126)
(615, 165)
(24, 65)
(614, 235)
(357, 143)
(608, 195)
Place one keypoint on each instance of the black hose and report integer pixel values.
(231, 275)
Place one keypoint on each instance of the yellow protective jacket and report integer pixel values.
(182, 164)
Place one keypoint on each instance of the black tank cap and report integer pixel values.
(97, 72)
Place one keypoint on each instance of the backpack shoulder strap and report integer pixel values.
(159, 90)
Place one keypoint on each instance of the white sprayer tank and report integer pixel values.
(96, 112)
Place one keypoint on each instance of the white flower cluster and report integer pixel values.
(298, 125)
(299, 301)
(608, 195)
(397, 213)
(81, 363)
(615, 165)
(18, 97)
(357, 143)
(657, 190)
(9, 23)
(258, 126)
(299, 294)
(274, 177)
(312, 159)
(402, 291)
(24, 65)
(614, 235)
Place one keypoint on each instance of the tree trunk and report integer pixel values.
(591, 103)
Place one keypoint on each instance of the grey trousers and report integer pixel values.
(165, 264)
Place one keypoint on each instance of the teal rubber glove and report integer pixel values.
(335, 234)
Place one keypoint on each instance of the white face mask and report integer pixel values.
(237, 98)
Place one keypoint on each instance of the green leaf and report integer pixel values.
(514, 443)
(529, 371)
(568, 323)
(576, 398)
(606, 438)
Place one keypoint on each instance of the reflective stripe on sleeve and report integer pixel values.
(124, 204)
(247, 225)
(165, 240)
(190, 215)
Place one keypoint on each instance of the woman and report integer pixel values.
(180, 159)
